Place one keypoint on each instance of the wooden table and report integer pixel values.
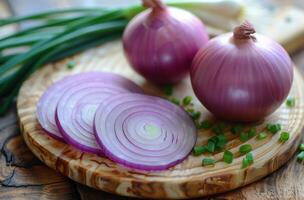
(23, 176)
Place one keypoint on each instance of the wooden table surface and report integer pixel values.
(23, 176)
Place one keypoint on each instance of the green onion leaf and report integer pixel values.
(196, 115)
(301, 147)
(205, 124)
(291, 102)
(284, 136)
(208, 161)
(249, 157)
(187, 100)
(244, 137)
(228, 157)
(211, 146)
(237, 129)
(245, 163)
(246, 148)
(71, 64)
(300, 156)
(219, 128)
(262, 136)
(168, 90)
(175, 101)
(251, 132)
(221, 141)
(199, 150)
(273, 128)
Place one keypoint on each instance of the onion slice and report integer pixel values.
(46, 106)
(143, 132)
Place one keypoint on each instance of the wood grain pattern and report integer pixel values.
(186, 180)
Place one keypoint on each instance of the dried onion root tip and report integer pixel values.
(244, 31)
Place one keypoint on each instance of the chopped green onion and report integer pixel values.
(187, 100)
(199, 150)
(237, 129)
(208, 161)
(190, 110)
(300, 156)
(244, 137)
(71, 64)
(262, 136)
(246, 148)
(291, 102)
(205, 124)
(251, 132)
(284, 136)
(221, 141)
(219, 128)
(228, 157)
(273, 128)
(248, 160)
(168, 90)
(301, 147)
(211, 146)
(175, 101)
(196, 115)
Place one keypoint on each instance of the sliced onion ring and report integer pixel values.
(143, 132)
(46, 106)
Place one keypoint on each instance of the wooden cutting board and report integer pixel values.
(186, 180)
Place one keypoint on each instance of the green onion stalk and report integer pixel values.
(62, 33)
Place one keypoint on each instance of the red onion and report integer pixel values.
(242, 77)
(161, 42)
(46, 106)
(143, 132)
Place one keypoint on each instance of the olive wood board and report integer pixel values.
(188, 179)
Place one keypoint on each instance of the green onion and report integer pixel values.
(205, 124)
(262, 136)
(221, 141)
(211, 146)
(291, 102)
(284, 136)
(300, 156)
(246, 148)
(248, 160)
(244, 137)
(219, 128)
(175, 101)
(199, 150)
(187, 100)
(301, 147)
(237, 129)
(196, 115)
(208, 161)
(168, 90)
(251, 132)
(71, 64)
(273, 128)
(228, 157)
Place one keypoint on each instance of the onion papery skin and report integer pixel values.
(161, 43)
(144, 132)
(47, 104)
(242, 79)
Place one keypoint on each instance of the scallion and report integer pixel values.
(237, 129)
(206, 124)
(208, 161)
(284, 136)
(262, 136)
(187, 100)
(291, 102)
(301, 147)
(300, 156)
(198, 150)
(228, 157)
(246, 148)
(273, 128)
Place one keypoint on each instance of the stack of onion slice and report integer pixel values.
(107, 114)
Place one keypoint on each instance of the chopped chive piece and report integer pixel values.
(228, 157)
(249, 157)
(219, 128)
(205, 124)
(221, 141)
(211, 146)
(187, 100)
(245, 163)
(301, 147)
(71, 64)
(190, 110)
(199, 150)
(246, 148)
(300, 156)
(284, 136)
(251, 132)
(237, 129)
(291, 102)
(273, 128)
(244, 137)
(195, 115)
(168, 90)
(175, 101)
(262, 136)
(208, 161)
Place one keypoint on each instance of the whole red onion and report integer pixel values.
(241, 77)
(161, 42)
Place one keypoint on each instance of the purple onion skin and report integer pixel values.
(161, 43)
(242, 80)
